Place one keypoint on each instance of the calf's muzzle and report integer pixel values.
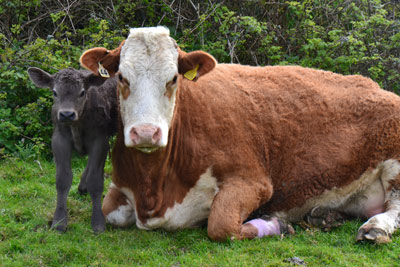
(66, 116)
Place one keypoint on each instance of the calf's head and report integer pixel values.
(148, 65)
(69, 88)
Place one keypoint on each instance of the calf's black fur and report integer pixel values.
(84, 115)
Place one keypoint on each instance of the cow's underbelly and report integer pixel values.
(361, 198)
(191, 212)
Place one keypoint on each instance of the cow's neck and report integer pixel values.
(144, 173)
(159, 179)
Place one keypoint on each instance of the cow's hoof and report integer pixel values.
(324, 218)
(284, 226)
(370, 233)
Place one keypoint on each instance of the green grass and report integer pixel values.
(28, 199)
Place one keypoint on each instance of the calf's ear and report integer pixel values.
(195, 64)
(101, 61)
(40, 78)
(93, 80)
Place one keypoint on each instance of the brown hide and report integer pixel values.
(109, 59)
(188, 61)
(290, 131)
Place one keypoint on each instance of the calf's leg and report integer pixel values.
(62, 148)
(82, 188)
(98, 148)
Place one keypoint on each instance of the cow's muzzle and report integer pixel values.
(146, 138)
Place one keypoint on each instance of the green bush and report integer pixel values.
(349, 37)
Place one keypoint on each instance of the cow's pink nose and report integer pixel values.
(145, 135)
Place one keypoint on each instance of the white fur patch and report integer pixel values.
(385, 221)
(123, 216)
(193, 210)
(357, 198)
(149, 60)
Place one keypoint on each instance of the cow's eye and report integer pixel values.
(82, 93)
(171, 83)
(54, 93)
(120, 77)
(174, 79)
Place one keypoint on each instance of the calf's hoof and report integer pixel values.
(59, 225)
(98, 225)
(82, 191)
(98, 228)
(370, 233)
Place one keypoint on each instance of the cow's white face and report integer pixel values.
(148, 74)
(147, 63)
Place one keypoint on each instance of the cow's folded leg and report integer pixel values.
(325, 218)
(236, 199)
(267, 226)
(116, 208)
(379, 228)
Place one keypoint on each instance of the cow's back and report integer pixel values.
(308, 129)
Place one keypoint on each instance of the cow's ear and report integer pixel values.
(40, 78)
(101, 61)
(195, 64)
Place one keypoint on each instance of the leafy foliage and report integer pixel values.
(349, 37)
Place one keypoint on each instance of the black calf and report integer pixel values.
(84, 114)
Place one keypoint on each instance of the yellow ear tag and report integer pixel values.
(191, 74)
(103, 72)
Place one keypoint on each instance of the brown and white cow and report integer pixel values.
(285, 141)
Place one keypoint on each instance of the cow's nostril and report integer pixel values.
(134, 135)
(157, 135)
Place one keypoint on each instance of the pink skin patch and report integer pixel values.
(372, 211)
(266, 228)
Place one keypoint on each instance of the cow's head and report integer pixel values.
(69, 90)
(149, 66)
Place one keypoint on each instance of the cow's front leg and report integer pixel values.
(117, 209)
(62, 148)
(380, 227)
(98, 149)
(236, 199)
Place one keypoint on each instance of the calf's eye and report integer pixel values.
(54, 93)
(82, 93)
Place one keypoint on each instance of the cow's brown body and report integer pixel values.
(290, 132)
(281, 141)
